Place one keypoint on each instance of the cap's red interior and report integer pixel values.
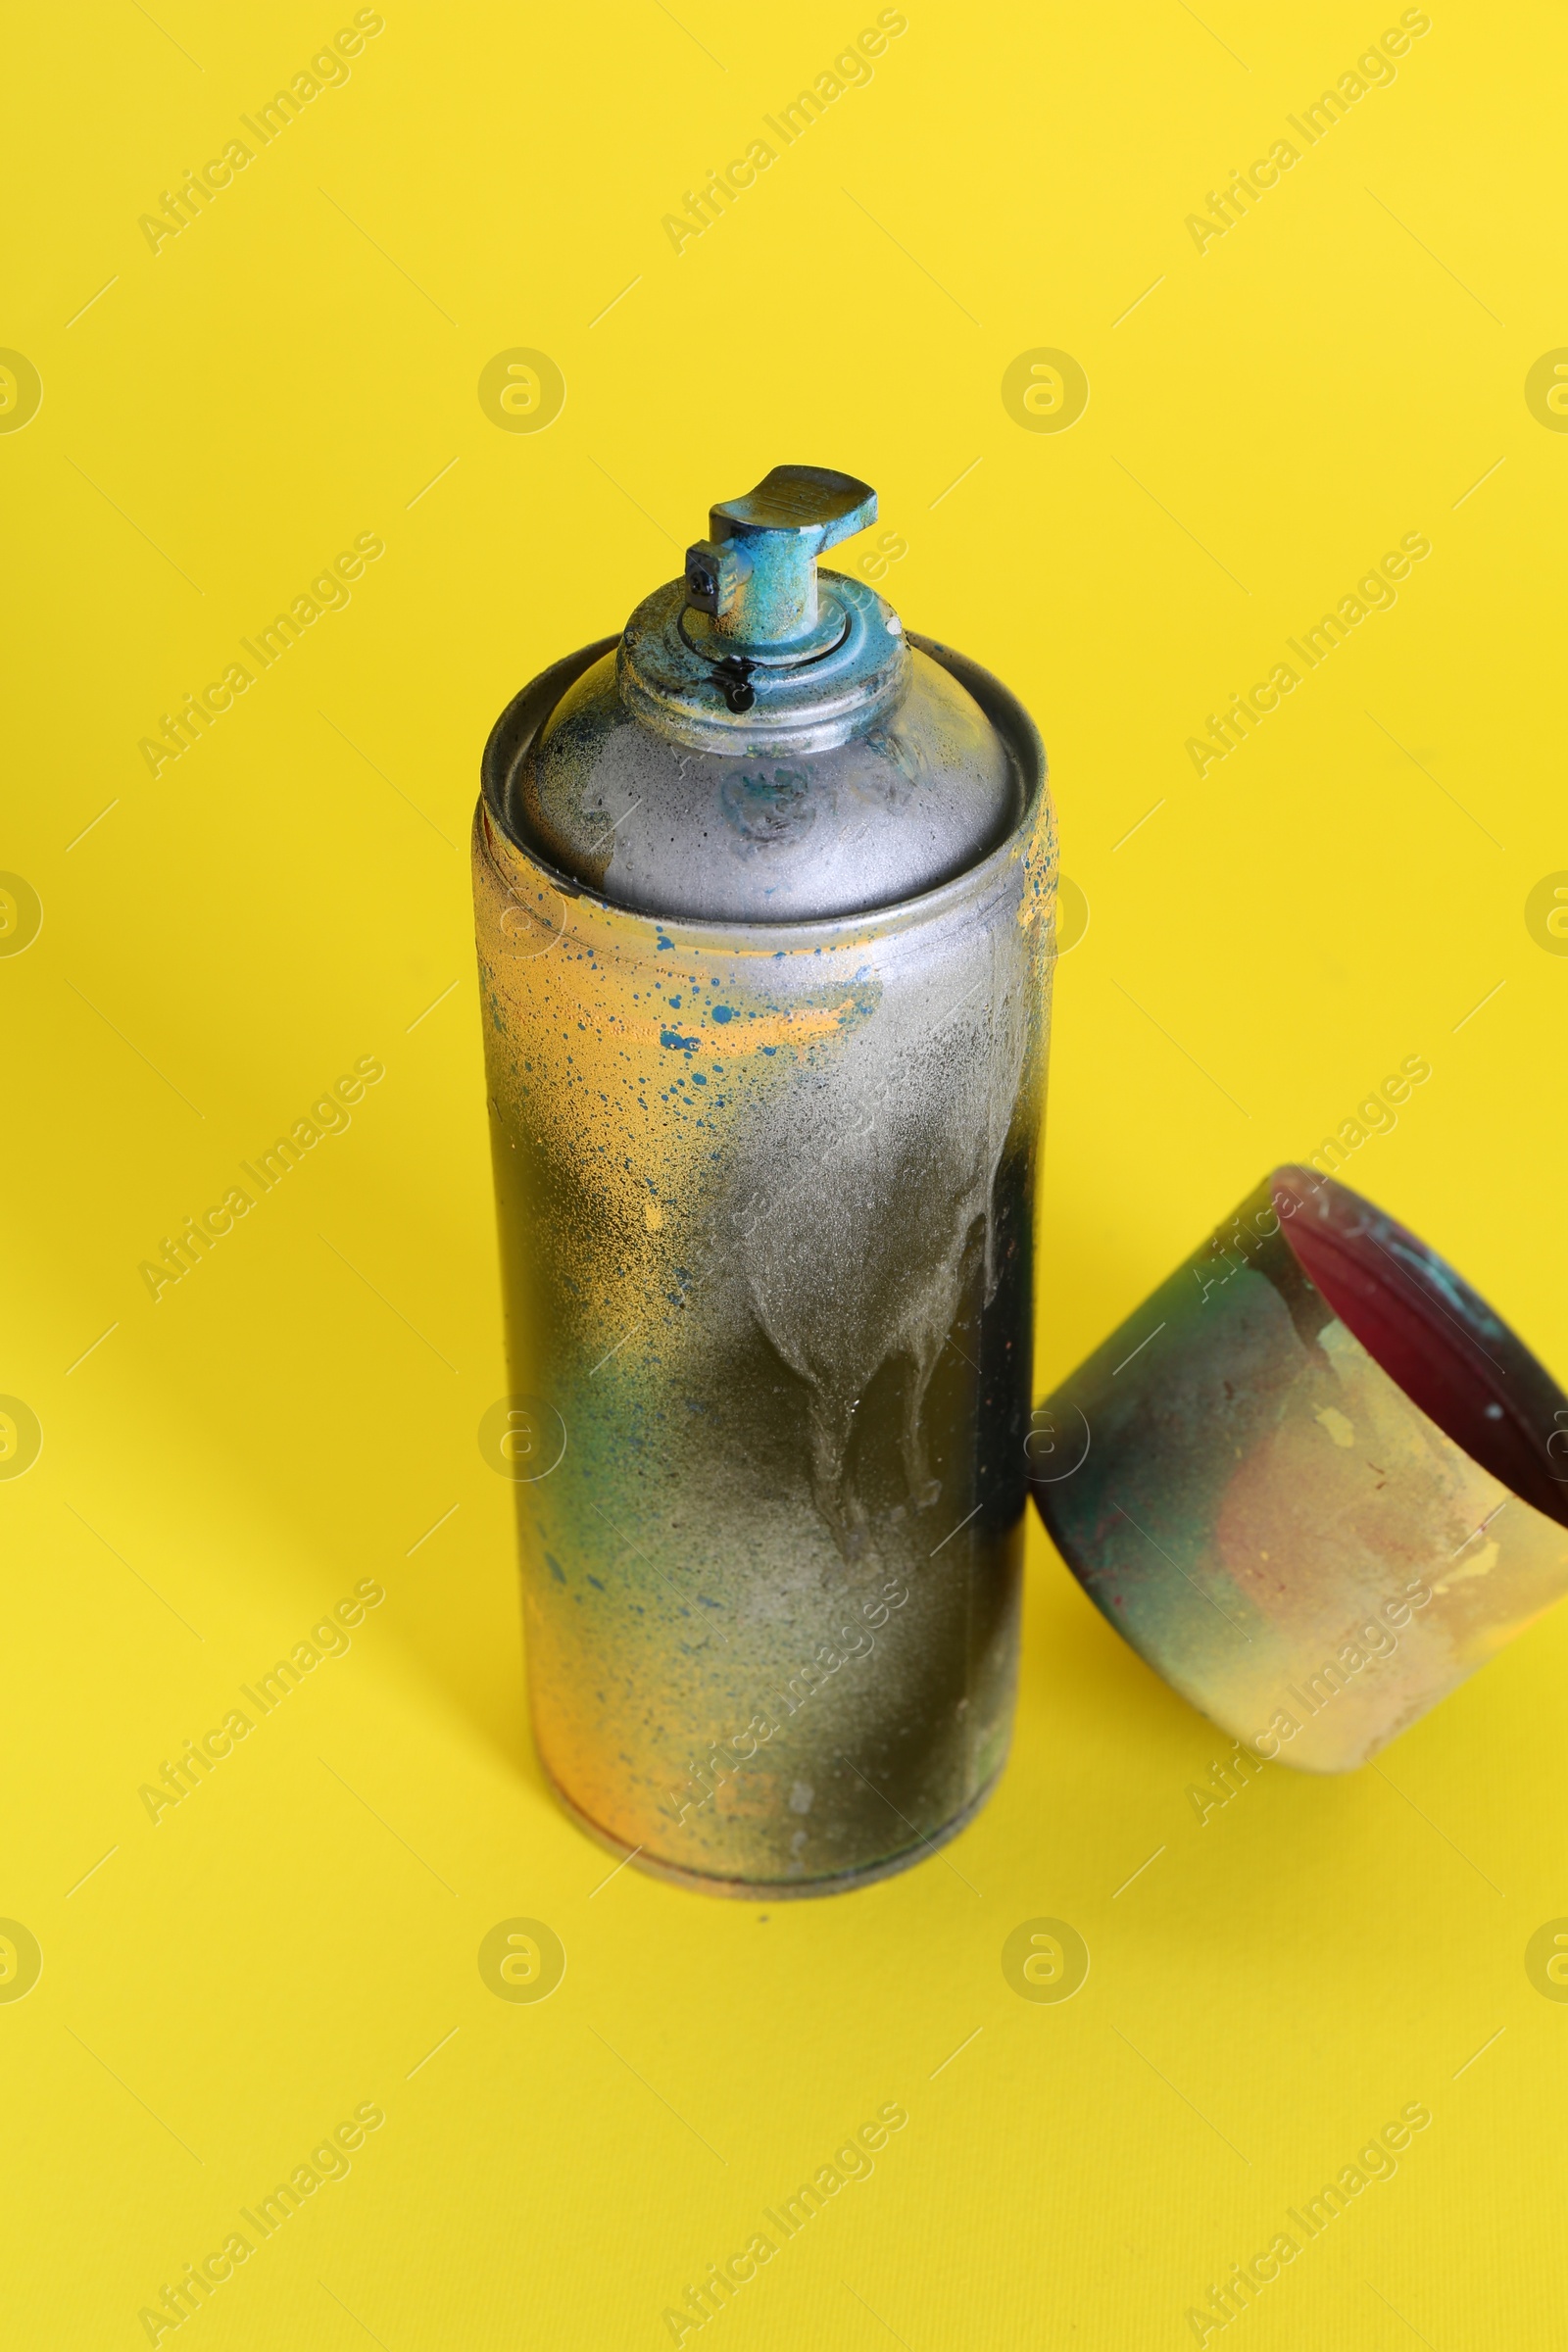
(1431, 1333)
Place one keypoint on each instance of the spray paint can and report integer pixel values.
(764, 895)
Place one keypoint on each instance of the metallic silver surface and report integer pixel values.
(925, 790)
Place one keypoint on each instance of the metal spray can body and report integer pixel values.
(765, 1197)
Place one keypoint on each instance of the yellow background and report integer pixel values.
(292, 894)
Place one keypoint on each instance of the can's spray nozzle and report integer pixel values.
(756, 575)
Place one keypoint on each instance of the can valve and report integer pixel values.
(756, 576)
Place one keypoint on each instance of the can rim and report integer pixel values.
(529, 709)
